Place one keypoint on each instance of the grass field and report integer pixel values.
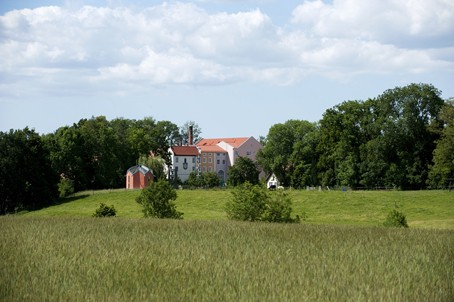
(339, 252)
(134, 259)
(424, 209)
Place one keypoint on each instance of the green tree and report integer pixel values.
(290, 152)
(27, 180)
(244, 170)
(442, 171)
(157, 200)
(196, 132)
(155, 163)
(254, 203)
(248, 203)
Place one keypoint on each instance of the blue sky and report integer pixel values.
(235, 67)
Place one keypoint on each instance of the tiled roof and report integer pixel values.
(185, 150)
(233, 141)
(213, 149)
(138, 168)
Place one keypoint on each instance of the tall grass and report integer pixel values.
(123, 259)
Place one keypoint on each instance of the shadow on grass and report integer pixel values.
(69, 199)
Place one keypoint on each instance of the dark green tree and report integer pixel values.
(244, 170)
(27, 180)
(157, 200)
(290, 152)
(442, 171)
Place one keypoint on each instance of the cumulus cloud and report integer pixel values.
(183, 44)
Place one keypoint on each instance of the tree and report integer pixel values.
(155, 163)
(442, 171)
(27, 180)
(254, 203)
(157, 200)
(290, 152)
(206, 179)
(184, 132)
(248, 203)
(244, 170)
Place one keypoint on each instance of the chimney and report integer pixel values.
(190, 138)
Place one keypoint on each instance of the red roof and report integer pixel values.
(233, 141)
(214, 149)
(185, 150)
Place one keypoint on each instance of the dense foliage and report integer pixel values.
(157, 200)
(255, 203)
(27, 180)
(105, 211)
(203, 180)
(396, 219)
(244, 170)
(383, 142)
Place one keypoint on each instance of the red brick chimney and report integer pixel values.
(191, 137)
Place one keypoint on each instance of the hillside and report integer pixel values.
(425, 209)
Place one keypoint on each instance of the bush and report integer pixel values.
(278, 208)
(396, 219)
(65, 187)
(105, 211)
(254, 203)
(248, 203)
(157, 200)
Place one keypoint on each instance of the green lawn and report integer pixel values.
(424, 209)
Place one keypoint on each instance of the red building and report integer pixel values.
(138, 177)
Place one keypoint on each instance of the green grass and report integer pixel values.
(424, 209)
(136, 259)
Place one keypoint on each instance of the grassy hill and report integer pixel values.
(425, 209)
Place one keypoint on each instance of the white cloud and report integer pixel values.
(400, 22)
(181, 43)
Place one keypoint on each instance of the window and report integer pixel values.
(210, 154)
(176, 159)
(210, 160)
(204, 160)
(218, 161)
(204, 169)
(193, 168)
(204, 154)
(218, 154)
(223, 161)
(209, 169)
(193, 160)
(248, 152)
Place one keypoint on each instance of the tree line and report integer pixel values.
(91, 154)
(404, 139)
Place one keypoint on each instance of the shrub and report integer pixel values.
(65, 187)
(157, 200)
(254, 203)
(247, 203)
(278, 208)
(105, 211)
(396, 219)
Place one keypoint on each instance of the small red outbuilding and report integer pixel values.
(138, 177)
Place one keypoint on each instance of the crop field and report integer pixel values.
(424, 209)
(130, 259)
(339, 252)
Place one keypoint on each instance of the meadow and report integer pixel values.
(340, 252)
(424, 209)
(134, 259)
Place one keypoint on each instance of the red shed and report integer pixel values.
(138, 177)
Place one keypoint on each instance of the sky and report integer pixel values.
(234, 67)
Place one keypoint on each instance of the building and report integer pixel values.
(218, 154)
(272, 182)
(138, 177)
(184, 160)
